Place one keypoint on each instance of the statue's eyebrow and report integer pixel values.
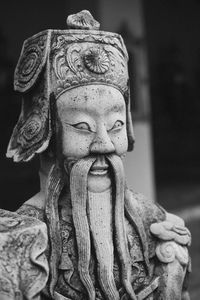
(115, 108)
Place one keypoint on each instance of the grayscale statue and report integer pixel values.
(85, 235)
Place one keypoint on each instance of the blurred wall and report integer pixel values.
(177, 22)
(172, 34)
(174, 53)
(21, 19)
(18, 21)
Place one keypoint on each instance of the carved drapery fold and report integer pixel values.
(23, 265)
(174, 239)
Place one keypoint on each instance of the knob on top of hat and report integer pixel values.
(82, 20)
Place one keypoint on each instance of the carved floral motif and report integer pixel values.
(79, 64)
(96, 60)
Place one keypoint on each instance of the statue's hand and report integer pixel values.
(173, 229)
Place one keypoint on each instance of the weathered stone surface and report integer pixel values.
(104, 241)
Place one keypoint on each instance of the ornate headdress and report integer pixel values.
(54, 61)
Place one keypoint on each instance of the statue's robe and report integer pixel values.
(146, 269)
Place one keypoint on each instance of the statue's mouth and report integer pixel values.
(99, 172)
(99, 167)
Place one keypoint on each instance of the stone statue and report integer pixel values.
(85, 235)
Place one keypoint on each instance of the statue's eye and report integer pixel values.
(118, 125)
(82, 126)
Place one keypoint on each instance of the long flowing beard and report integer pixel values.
(119, 223)
(100, 219)
(103, 243)
(78, 188)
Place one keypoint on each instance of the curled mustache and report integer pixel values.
(78, 185)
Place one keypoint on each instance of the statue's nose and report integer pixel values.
(102, 143)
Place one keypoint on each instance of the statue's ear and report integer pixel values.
(32, 132)
(129, 122)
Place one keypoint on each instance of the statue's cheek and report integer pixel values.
(120, 142)
(75, 143)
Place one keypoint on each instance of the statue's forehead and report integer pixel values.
(93, 97)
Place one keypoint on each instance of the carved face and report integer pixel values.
(93, 122)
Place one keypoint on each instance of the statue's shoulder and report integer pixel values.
(141, 213)
(34, 207)
(30, 210)
(149, 211)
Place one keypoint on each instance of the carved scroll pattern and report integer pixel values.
(99, 37)
(167, 252)
(31, 61)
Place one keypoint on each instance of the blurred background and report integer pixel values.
(162, 37)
